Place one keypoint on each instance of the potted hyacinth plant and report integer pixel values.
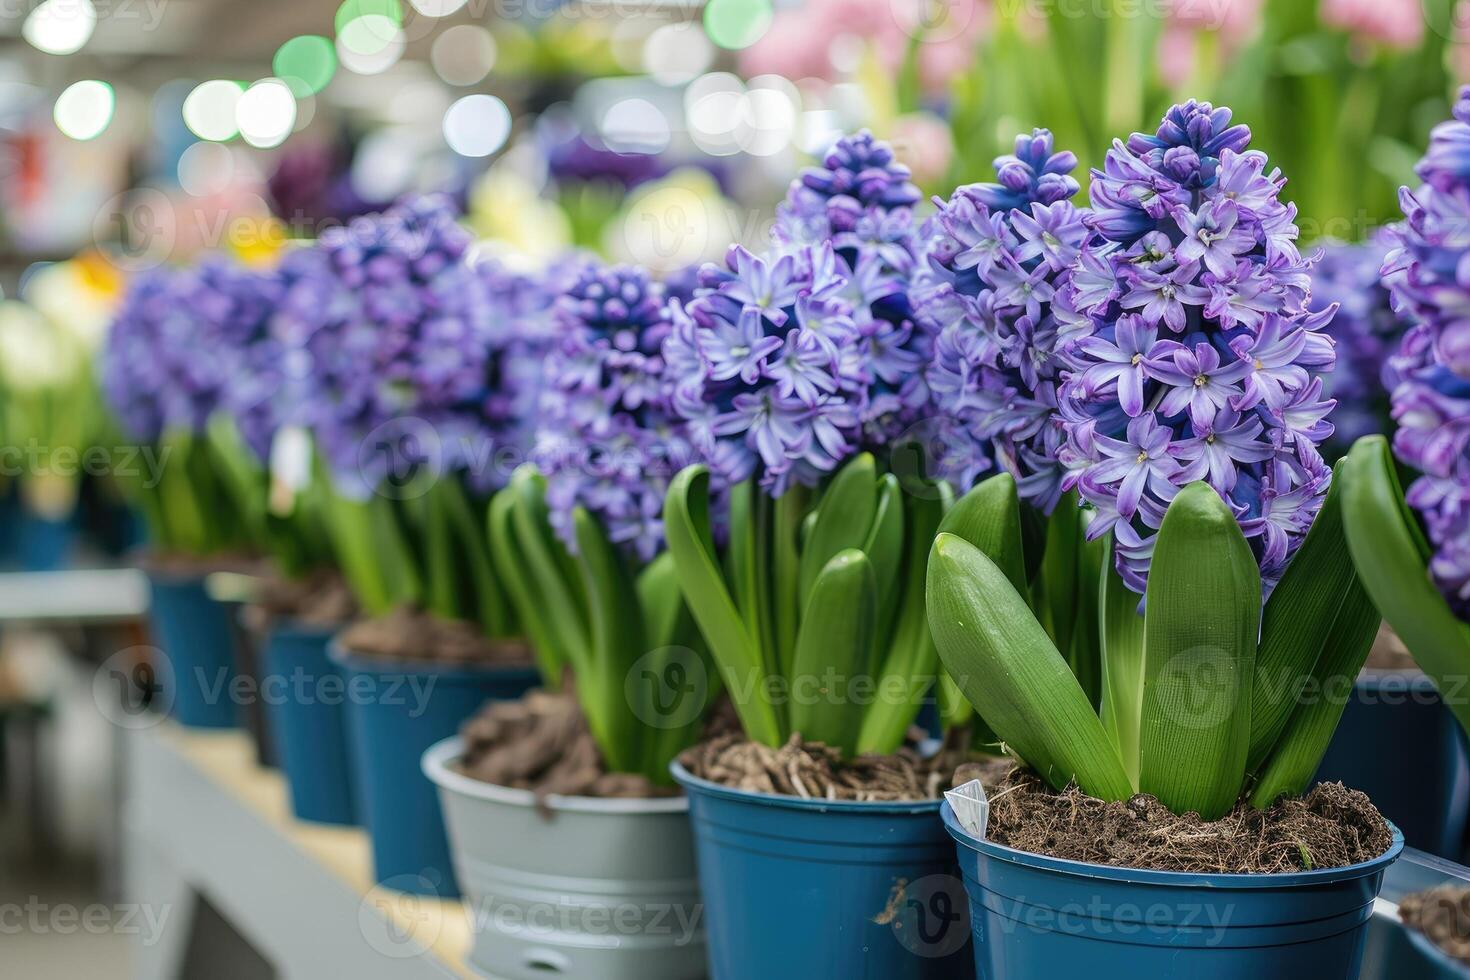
(417, 362)
(164, 369)
(1426, 793)
(992, 259)
(573, 780)
(1411, 548)
(295, 601)
(1190, 411)
(794, 371)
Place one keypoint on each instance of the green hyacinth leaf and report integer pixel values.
(1200, 631)
(834, 647)
(1009, 669)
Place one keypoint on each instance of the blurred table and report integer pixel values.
(204, 825)
(84, 597)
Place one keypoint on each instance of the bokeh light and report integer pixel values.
(477, 125)
(635, 126)
(736, 24)
(437, 8)
(463, 54)
(209, 111)
(370, 44)
(60, 26)
(206, 169)
(352, 10)
(84, 109)
(266, 113)
(306, 63)
(676, 53)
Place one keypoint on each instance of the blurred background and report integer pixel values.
(135, 133)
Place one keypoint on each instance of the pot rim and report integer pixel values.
(1178, 879)
(436, 766)
(371, 663)
(782, 801)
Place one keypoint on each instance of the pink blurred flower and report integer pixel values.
(1234, 21)
(1395, 23)
(923, 142)
(802, 41)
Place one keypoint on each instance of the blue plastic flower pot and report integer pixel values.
(45, 545)
(196, 673)
(305, 697)
(396, 709)
(796, 888)
(1398, 743)
(1038, 918)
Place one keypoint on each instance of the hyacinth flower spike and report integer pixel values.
(797, 370)
(1413, 549)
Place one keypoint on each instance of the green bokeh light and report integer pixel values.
(305, 63)
(353, 9)
(736, 24)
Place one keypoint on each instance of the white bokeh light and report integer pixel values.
(209, 111)
(464, 54)
(60, 26)
(676, 53)
(206, 168)
(84, 109)
(437, 8)
(266, 113)
(370, 45)
(477, 125)
(635, 126)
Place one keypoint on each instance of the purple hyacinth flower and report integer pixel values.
(1190, 237)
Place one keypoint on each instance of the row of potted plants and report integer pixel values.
(654, 580)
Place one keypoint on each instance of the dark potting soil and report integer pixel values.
(320, 599)
(542, 743)
(813, 770)
(1389, 653)
(1443, 915)
(411, 634)
(1331, 827)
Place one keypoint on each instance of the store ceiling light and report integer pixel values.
(60, 26)
(477, 125)
(306, 63)
(210, 109)
(266, 113)
(84, 109)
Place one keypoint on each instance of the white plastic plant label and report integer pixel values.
(971, 807)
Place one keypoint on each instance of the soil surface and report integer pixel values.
(1389, 653)
(1331, 827)
(812, 770)
(411, 634)
(1443, 915)
(320, 599)
(542, 743)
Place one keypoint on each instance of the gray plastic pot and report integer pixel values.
(572, 886)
